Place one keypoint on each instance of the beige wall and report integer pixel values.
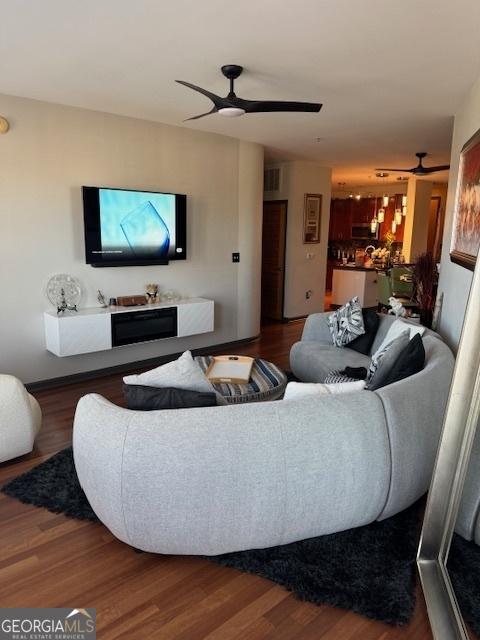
(49, 153)
(455, 281)
(250, 193)
(419, 195)
(301, 273)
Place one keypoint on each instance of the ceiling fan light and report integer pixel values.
(231, 112)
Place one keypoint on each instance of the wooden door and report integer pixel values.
(274, 231)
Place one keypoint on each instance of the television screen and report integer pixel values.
(124, 227)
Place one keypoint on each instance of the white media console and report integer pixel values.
(96, 329)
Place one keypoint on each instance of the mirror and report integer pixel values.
(449, 553)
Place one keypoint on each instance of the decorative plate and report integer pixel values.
(72, 290)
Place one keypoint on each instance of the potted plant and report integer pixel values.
(425, 280)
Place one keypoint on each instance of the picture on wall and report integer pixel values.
(311, 218)
(466, 216)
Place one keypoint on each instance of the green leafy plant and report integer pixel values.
(389, 240)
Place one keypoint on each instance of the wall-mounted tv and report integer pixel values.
(133, 228)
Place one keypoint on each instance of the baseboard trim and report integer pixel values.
(52, 383)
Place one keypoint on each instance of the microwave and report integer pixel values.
(363, 231)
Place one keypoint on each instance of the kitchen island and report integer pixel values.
(351, 280)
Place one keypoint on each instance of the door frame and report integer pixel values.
(284, 202)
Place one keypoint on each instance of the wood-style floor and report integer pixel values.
(50, 560)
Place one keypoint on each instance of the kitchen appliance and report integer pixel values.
(363, 231)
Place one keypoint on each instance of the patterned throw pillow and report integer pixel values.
(346, 323)
(335, 377)
(383, 360)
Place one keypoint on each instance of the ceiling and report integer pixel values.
(390, 74)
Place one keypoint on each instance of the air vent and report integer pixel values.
(271, 179)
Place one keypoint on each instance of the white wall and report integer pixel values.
(49, 153)
(250, 193)
(455, 280)
(302, 274)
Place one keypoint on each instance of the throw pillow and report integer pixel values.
(399, 326)
(183, 373)
(338, 377)
(383, 361)
(142, 398)
(298, 390)
(346, 323)
(363, 344)
(409, 362)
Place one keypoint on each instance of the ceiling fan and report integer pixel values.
(420, 170)
(233, 106)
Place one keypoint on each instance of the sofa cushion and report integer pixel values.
(363, 343)
(312, 361)
(346, 323)
(397, 327)
(183, 373)
(142, 398)
(410, 361)
(299, 390)
(383, 360)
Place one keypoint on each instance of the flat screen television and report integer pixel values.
(133, 228)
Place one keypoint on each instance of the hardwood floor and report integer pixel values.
(49, 560)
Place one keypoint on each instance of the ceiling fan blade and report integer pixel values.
(270, 106)
(202, 115)
(217, 100)
(440, 167)
(401, 170)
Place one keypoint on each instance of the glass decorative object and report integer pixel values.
(64, 292)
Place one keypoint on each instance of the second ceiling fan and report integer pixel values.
(233, 106)
(420, 170)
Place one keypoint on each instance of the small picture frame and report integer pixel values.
(311, 218)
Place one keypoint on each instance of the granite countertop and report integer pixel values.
(353, 267)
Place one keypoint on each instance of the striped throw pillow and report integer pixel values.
(346, 323)
(335, 377)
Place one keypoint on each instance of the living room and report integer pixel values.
(237, 472)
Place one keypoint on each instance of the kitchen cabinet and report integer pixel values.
(340, 219)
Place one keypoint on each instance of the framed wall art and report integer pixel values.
(466, 214)
(311, 218)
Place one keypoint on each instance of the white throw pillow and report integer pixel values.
(183, 373)
(297, 390)
(396, 329)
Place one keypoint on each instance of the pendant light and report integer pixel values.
(374, 222)
(404, 201)
(394, 226)
(385, 201)
(398, 216)
(404, 211)
(381, 215)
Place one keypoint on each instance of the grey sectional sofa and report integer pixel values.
(219, 479)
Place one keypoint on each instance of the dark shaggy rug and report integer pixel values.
(369, 570)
